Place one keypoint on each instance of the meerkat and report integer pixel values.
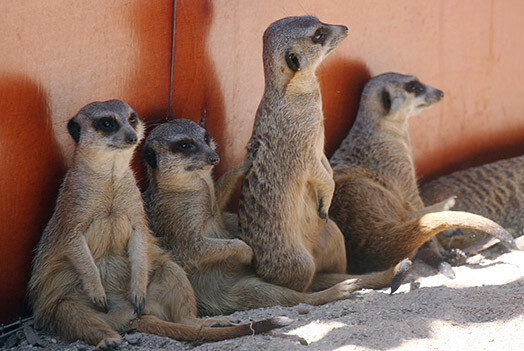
(494, 190)
(287, 189)
(98, 270)
(187, 214)
(376, 202)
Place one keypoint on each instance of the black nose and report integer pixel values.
(440, 94)
(213, 159)
(131, 139)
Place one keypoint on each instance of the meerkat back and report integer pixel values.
(494, 190)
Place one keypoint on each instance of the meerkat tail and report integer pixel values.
(154, 325)
(433, 223)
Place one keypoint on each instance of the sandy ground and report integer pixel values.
(482, 309)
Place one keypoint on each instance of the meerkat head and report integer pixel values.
(297, 45)
(109, 126)
(396, 97)
(179, 147)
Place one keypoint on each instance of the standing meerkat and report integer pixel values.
(494, 190)
(97, 266)
(376, 202)
(187, 214)
(287, 190)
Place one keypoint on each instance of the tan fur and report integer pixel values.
(186, 212)
(376, 203)
(494, 190)
(287, 191)
(97, 265)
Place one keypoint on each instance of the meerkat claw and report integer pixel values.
(138, 304)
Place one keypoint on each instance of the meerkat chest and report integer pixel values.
(111, 224)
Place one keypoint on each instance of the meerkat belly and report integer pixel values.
(308, 218)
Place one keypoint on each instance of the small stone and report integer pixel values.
(303, 310)
(132, 339)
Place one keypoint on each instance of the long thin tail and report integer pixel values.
(154, 325)
(433, 223)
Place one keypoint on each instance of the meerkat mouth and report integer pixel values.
(120, 147)
(199, 168)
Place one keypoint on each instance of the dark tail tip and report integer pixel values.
(402, 271)
(270, 324)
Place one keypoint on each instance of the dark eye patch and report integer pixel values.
(185, 146)
(386, 100)
(133, 119)
(415, 87)
(320, 35)
(207, 139)
(107, 125)
(292, 61)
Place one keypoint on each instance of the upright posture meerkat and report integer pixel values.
(186, 212)
(376, 202)
(97, 266)
(494, 190)
(287, 190)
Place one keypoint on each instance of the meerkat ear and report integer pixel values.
(292, 61)
(150, 157)
(386, 100)
(74, 129)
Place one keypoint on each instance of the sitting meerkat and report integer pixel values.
(187, 213)
(376, 202)
(494, 190)
(97, 266)
(287, 190)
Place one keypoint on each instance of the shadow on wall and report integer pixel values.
(31, 170)
(195, 85)
(147, 90)
(341, 83)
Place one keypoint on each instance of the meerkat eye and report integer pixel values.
(415, 87)
(206, 138)
(107, 125)
(183, 146)
(133, 120)
(319, 37)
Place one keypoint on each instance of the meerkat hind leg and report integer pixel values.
(179, 303)
(80, 321)
(330, 253)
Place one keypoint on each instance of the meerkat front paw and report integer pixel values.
(100, 302)
(244, 252)
(139, 301)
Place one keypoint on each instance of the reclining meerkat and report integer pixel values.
(376, 202)
(187, 214)
(494, 190)
(287, 190)
(97, 266)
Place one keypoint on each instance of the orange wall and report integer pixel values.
(57, 55)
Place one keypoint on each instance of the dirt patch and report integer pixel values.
(482, 308)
